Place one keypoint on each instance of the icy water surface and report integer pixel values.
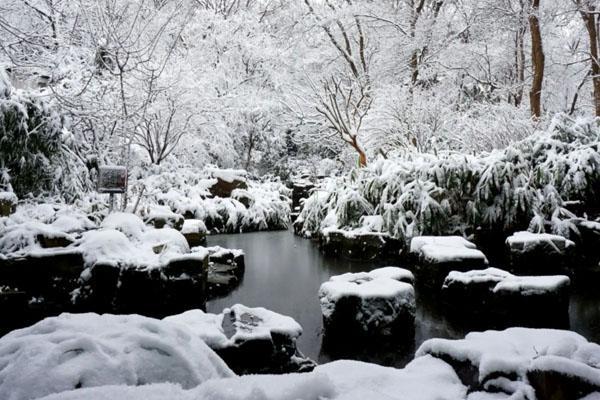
(284, 272)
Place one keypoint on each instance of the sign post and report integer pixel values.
(112, 180)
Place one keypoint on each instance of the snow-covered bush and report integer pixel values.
(263, 205)
(522, 186)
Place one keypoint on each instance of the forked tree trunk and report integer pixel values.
(537, 60)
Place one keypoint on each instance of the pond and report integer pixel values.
(284, 273)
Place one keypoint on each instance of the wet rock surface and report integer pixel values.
(225, 270)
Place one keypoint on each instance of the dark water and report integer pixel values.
(284, 273)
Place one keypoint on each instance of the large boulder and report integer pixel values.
(539, 253)
(525, 363)
(162, 216)
(74, 351)
(435, 257)
(250, 340)
(496, 298)
(380, 302)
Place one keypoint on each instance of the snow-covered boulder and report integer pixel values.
(588, 241)
(301, 190)
(227, 181)
(359, 243)
(74, 351)
(194, 231)
(380, 302)
(435, 256)
(546, 363)
(250, 340)
(539, 253)
(8, 203)
(502, 299)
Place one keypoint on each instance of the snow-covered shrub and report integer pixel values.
(263, 205)
(522, 186)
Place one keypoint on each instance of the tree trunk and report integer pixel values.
(362, 157)
(589, 19)
(537, 60)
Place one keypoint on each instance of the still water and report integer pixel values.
(284, 273)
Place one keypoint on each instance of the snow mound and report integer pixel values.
(249, 324)
(72, 223)
(423, 379)
(127, 223)
(75, 351)
(504, 281)
(514, 351)
(112, 247)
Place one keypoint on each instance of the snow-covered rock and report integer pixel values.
(539, 253)
(194, 231)
(423, 379)
(435, 256)
(74, 351)
(497, 297)
(549, 362)
(228, 180)
(250, 340)
(372, 303)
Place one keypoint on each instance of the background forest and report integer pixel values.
(280, 87)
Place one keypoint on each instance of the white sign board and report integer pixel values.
(112, 179)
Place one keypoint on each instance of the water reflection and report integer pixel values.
(284, 273)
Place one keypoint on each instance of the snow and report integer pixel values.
(228, 175)
(443, 254)
(8, 197)
(525, 241)
(423, 379)
(514, 351)
(72, 223)
(129, 224)
(22, 238)
(417, 243)
(507, 282)
(250, 323)
(218, 252)
(87, 350)
(193, 226)
(172, 240)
